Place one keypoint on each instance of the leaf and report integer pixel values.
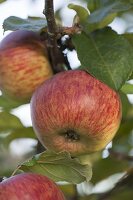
(122, 141)
(123, 132)
(32, 23)
(81, 11)
(106, 55)
(93, 5)
(7, 104)
(1, 1)
(104, 168)
(109, 8)
(25, 132)
(129, 37)
(9, 121)
(58, 166)
(127, 88)
(104, 12)
(131, 76)
(123, 194)
(126, 105)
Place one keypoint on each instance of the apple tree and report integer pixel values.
(82, 118)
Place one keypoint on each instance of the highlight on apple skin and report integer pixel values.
(24, 64)
(75, 112)
(29, 186)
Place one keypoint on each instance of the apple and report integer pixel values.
(24, 64)
(29, 186)
(75, 112)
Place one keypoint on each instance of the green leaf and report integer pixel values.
(58, 166)
(116, 193)
(81, 11)
(9, 121)
(109, 8)
(127, 88)
(124, 194)
(7, 104)
(100, 14)
(104, 12)
(32, 23)
(106, 55)
(89, 27)
(93, 5)
(126, 105)
(1, 1)
(104, 168)
(129, 37)
(131, 77)
(122, 141)
(25, 132)
(123, 132)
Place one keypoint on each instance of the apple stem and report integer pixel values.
(56, 56)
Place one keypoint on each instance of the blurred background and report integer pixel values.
(16, 147)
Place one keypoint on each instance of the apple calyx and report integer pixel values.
(72, 135)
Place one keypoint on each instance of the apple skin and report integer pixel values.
(24, 64)
(75, 112)
(29, 186)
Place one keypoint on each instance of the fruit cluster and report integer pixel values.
(71, 111)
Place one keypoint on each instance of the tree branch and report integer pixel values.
(120, 156)
(125, 182)
(49, 13)
(56, 56)
(69, 30)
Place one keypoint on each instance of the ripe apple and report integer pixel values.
(75, 112)
(29, 186)
(24, 64)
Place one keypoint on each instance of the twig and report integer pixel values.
(120, 156)
(125, 181)
(69, 30)
(49, 13)
(56, 56)
(75, 196)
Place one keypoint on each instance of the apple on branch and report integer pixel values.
(30, 186)
(75, 112)
(24, 64)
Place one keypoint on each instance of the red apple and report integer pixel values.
(24, 64)
(29, 186)
(75, 112)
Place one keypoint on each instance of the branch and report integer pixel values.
(120, 156)
(125, 181)
(69, 30)
(49, 13)
(76, 196)
(56, 56)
